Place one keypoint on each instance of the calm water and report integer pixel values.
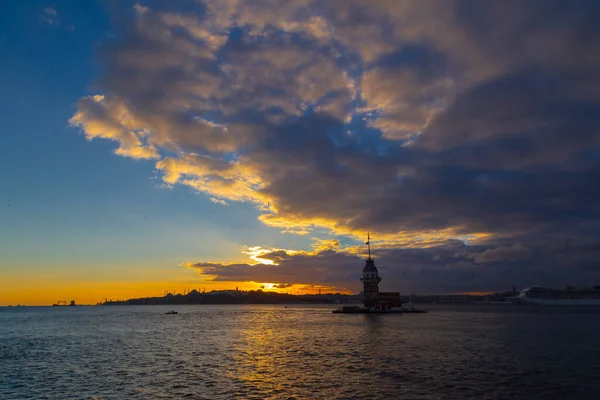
(273, 352)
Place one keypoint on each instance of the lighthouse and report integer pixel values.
(373, 299)
(370, 279)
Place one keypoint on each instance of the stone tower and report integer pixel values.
(370, 279)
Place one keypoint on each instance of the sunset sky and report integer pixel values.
(152, 146)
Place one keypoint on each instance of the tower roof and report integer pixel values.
(370, 265)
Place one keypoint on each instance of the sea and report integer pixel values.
(299, 352)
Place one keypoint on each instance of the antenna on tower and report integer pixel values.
(369, 243)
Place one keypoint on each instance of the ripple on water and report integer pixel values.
(268, 352)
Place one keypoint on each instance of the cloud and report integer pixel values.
(50, 16)
(282, 286)
(287, 268)
(452, 266)
(423, 122)
(219, 201)
(112, 119)
(516, 252)
(517, 121)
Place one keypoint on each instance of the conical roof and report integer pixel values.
(370, 265)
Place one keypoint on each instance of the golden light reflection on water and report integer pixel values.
(285, 349)
(256, 354)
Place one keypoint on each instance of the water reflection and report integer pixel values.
(267, 352)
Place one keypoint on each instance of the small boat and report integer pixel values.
(171, 312)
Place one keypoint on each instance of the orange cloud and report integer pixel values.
(111, 119)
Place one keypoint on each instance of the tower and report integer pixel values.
(370, 279)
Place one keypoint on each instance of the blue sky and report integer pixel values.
(209, 142)
(69, 205)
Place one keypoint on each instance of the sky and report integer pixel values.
(152, 146)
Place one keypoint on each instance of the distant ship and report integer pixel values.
(569, 296)
(64, 303)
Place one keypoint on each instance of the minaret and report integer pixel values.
(370, 278)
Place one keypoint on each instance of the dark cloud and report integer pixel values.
(516, 252)
(421, 121)
(327, 267)
(282, 286)
(449, 267)
(516, 121)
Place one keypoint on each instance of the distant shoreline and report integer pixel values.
(265, 297)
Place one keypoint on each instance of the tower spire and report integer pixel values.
(369, 243)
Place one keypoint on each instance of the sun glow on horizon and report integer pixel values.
(43, 293)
